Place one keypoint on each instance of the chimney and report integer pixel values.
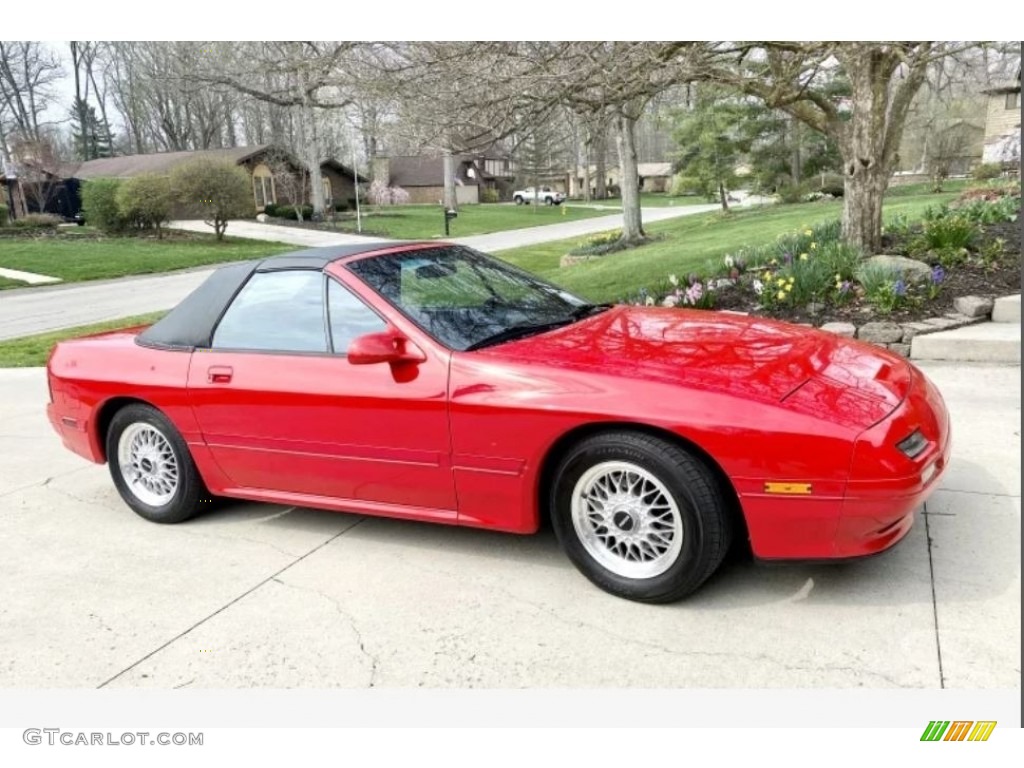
(380, 170)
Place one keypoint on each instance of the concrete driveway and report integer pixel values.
(257, 595)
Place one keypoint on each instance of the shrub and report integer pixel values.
(289, 212)
(3, 215)
(270, 209)
(840, 259)
(145, 201)
(217, 190)
(340, 207)
(987, 171)
(793, 193)
(827, 184)
(984, 211)
(685, 185)
(99, 205)
(37, 221)
(952, 231)
(489, 195)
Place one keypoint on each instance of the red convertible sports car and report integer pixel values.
(431, 382)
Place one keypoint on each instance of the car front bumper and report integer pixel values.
(880, 500)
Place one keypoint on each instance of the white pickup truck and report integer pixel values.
(545, 195)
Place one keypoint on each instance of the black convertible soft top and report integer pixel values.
(190, 324)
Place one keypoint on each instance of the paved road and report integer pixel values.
(255, 595)
(37, 310)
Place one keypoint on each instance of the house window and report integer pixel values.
(263, 187)
(328, 198)
(1013, 100)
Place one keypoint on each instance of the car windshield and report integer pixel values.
(467, 300)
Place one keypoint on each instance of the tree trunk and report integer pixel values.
(600, 145)
(795, 163)
(864, 189)
(723, 198)
(586, 171)
(450, 199)
(632, 223)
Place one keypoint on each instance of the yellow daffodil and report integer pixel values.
(803, 257)
(774, 262)
(780, 281)
(808, 233)
(792, 279)
(789, 287)
(767, 275)
(838, 277)
(781, 295)
(814, 246)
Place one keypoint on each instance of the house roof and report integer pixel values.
(1008, 87)
(158, 162)
(127, 166)
(423, 171)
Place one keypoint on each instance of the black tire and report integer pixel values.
(549, 201)
(703, 512)
(189, 496)
(518, 199)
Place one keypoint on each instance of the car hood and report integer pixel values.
(754, 358)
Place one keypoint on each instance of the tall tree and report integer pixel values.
(29, 72)
(857, 93)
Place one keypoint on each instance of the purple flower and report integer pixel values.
(900, 288)
(938, 274)
(787, 257)
(694, 293)
(845, 287)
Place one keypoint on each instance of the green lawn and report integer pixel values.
(689, 244)
(415, 222)
(34, 350)
(87, 259)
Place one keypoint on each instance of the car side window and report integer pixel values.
(349, 316)
(276, 311)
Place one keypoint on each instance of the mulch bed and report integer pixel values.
(971, 279)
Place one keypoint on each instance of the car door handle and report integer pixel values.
(219, 374)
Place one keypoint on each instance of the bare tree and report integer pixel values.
(28, 72)
(858, 93)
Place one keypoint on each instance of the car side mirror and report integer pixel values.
(384, 347)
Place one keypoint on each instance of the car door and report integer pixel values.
(283, 410)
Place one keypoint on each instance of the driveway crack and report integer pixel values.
(350, 620)
(228, 604)
(935, 603)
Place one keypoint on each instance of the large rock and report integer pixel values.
(262, 218)
(910, 270)
(880, 333)
(849, 330)
(973, 306)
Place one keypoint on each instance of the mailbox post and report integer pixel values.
(449, 214)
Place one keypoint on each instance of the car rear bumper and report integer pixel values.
(74, 433)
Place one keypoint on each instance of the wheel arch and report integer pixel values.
(105, 414)
(561, 446)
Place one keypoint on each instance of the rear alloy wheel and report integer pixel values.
(518, 199)
(549, 201)
(152, 467)
(639, 516)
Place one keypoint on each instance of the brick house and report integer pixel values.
(422, 176)
(264, 163)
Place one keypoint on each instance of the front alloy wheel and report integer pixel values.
(640, 516)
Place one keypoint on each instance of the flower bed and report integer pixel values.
(934, 275)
